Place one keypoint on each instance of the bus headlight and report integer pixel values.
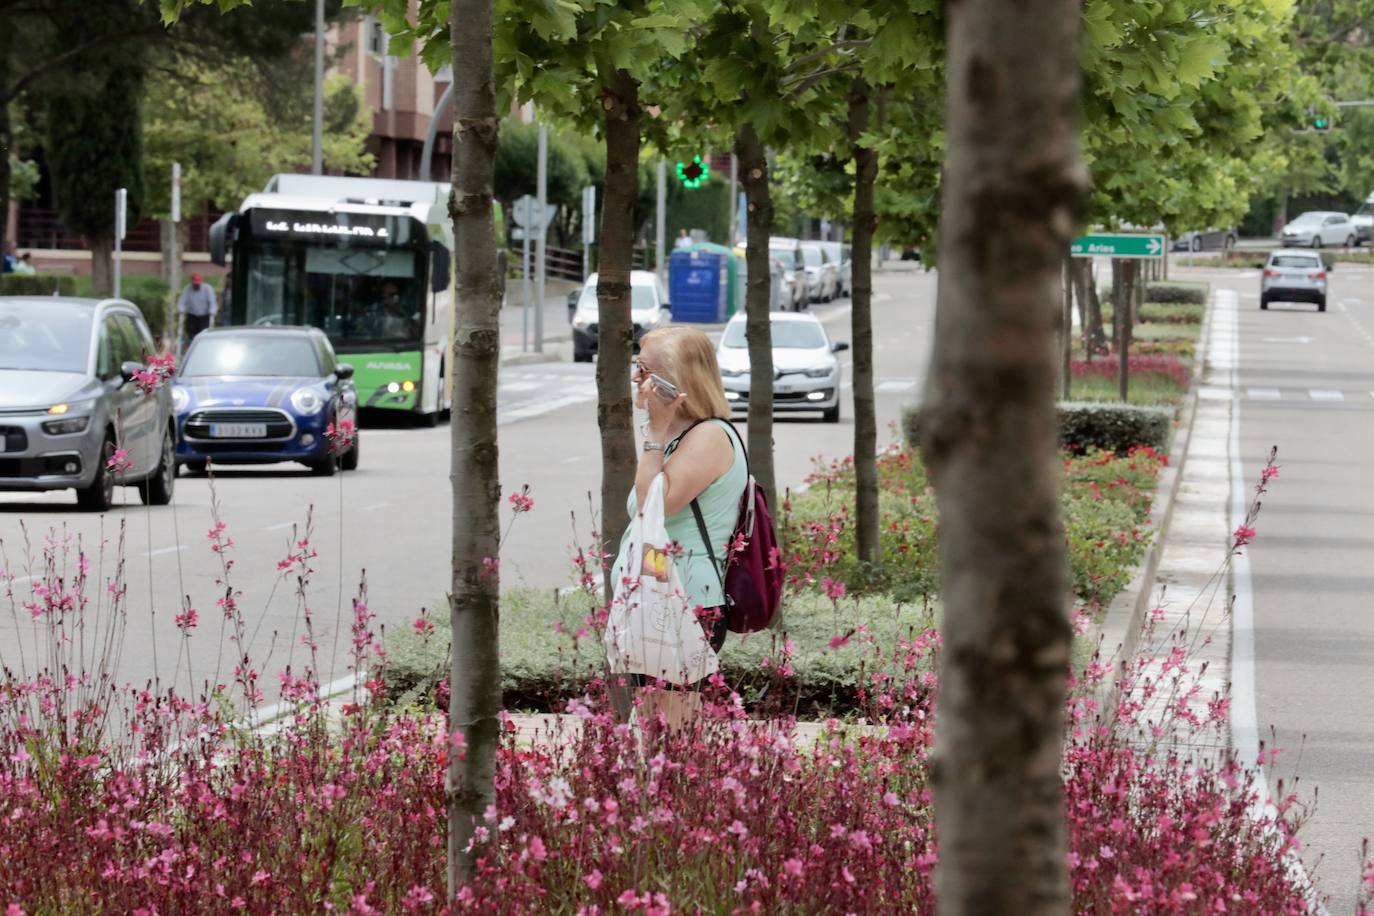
(307, 401)
(407, 386)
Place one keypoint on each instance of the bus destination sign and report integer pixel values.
(319, 226)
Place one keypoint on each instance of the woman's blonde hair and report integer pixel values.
(689, 361)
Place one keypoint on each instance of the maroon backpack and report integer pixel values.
(753, 579)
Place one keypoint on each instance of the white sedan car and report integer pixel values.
(1318, 228)
(806, 371)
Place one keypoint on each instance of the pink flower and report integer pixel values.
(629, 900)
(1243, 535)
(793, 867)
(522, 501)
(537, 850)
(187, 620)
(423, 627)
(1268, 473)
(593, 879)
(340, 436)
(490, 567)
(833, 590)
(839, 641)
(120, 462)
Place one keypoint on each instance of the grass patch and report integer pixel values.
(1145, 390)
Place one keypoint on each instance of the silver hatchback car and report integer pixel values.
(1294, 276)
(68, 401)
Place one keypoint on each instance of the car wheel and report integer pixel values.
(833, 414)
(1321, 304)
(157, 490)
(1264, 303)
(1316, 241)
(349, 462)
(99, 496)
(429, 420)
(1350, 241)
(1197, 243)
(582, 356)
(327, 467)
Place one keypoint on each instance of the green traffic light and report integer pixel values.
(693, 174)
(1320, 124)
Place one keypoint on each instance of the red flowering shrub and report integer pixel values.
(1164, 365)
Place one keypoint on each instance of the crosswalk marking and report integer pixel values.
(1265, 393)
(1325, 394)
(1215, 394)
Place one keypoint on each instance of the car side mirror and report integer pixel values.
(573, 297)
(343, 372)
(839, 347)
(440, 265)
(127, 370)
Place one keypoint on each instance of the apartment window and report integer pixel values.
(376, 37)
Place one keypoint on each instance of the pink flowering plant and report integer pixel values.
(137, 799)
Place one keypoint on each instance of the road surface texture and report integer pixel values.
(1302, 659)
(392, 517)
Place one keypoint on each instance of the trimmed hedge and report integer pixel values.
(542, 665)
(1113, 427)
(37, 285)
(1171, 313)
(1176, 293)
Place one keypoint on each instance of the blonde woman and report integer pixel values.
(689, 440)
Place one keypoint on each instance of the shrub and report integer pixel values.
(1084, 426)
(1176, 293)
(1109, 366)
(1179, 313)
(37, 285)
(1113, 427)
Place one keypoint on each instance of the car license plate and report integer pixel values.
(238, 430)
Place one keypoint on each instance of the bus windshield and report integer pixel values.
(360, 297)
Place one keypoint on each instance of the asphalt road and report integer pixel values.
(1305, 383)
(392, 518)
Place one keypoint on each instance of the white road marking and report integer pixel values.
(164, 550)
(896, 386)
(1296, 340)
(279, 527)
(570, 459)
(1264, 393)
(1212, 393)
(1326, 394)
(374, 506)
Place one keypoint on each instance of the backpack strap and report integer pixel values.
(710, 551)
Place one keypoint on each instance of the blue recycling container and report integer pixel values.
(698, 281)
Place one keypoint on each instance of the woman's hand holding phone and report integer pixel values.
(663, 400)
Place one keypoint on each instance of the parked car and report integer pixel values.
(1294, 276)
(839, 254)
(68, 401)
(250, 395)
(806, 372)
(1319, 227)
(649, 309)
(788, 251)
(822, 277)
(1206, 240)
(1363, 221)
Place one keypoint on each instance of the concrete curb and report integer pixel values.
(1125, 619)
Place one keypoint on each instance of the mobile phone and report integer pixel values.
(663, 388)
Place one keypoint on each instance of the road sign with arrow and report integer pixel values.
(1118, 245)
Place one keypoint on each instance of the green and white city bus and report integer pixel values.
(366, 260)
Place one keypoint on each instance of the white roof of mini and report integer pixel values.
(1308, 252)
(782, 316)
(637, 278)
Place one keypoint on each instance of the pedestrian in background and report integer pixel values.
(197, 306)
(226, 295)
(10, 259)
(683, 239)
(689, 440)
(24, 266)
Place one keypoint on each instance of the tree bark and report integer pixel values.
(6, 145)
(102, 262)
(758, 328)
(474, 604)
(1089, 308)
(615, 332)
(861, 326)
(1012, 193)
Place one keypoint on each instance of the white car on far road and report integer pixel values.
(806, 372)
(1294, 275)
(1318, 228)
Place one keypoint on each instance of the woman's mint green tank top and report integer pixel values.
(719, 502)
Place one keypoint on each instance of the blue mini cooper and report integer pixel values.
(265, 394)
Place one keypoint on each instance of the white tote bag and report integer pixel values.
(652, 628)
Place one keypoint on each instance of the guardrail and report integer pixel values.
(566, 263)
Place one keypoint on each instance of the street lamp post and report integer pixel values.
(317, 132)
